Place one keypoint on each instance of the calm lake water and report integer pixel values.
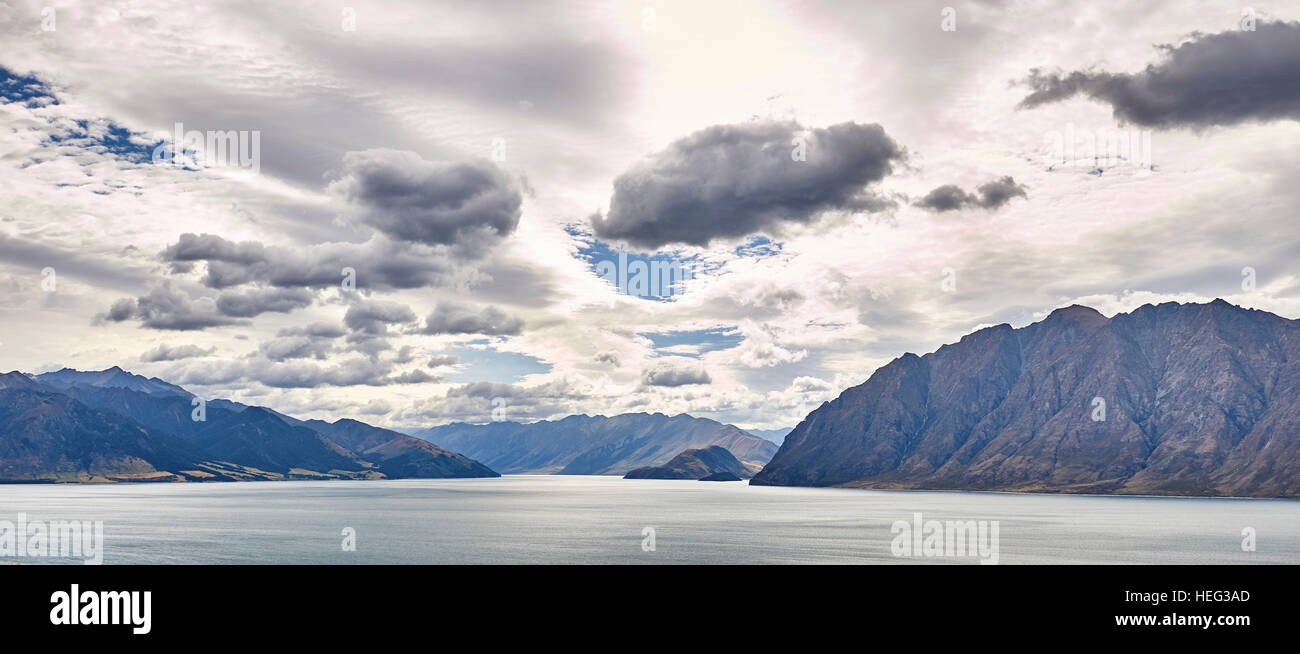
(559, 519)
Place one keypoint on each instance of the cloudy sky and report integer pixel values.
(439, 209)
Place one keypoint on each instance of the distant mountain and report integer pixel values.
(1199, 399)
(593, 445)
(91, 410)
(775, 435)
(17, 379)
(399, 455)
(713, 463)
(113, 377)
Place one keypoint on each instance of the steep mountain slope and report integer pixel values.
(259, 438)
(52, 437)
(16, 379)
(695, 464)
(171, 413)
(398, 455)
(1199, 399)
(593, 445)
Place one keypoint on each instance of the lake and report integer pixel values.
(569, 519)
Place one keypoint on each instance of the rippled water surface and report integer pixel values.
(562, 519)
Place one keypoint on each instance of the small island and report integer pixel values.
(713, 463)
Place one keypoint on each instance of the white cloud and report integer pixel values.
(834, 299)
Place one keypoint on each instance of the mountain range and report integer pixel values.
(594, 445)
(1170, 399)
(112, 425)
(775, 435)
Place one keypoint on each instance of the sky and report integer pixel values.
(415, 213)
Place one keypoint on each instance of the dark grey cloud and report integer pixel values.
(168, 307)
(675, 373)
(415, 376)
(948, 197)
(991, 195)
(304, 374)
(998, 192)
(489, 390)
(314, 341)
(405, 355)
(1212, 79)
(284, 348)
(481, 401)
(316, 330)
(457, 318)
(430, 202)
(379, 263)
(247, 304)
(122, 309)
(549, 395)
(210, 247)
(176, 352)
(374, 316)
(442, 360)
(729, 181)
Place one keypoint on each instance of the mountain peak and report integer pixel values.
(1076, 312)
(16, 379)
(1220, 305)
(114, 377)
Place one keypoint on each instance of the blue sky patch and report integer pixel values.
(758, 247)
(693, 342)
(21, 88)
(111, 139)
(493, 366)
(656, 277)
(95, 136)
